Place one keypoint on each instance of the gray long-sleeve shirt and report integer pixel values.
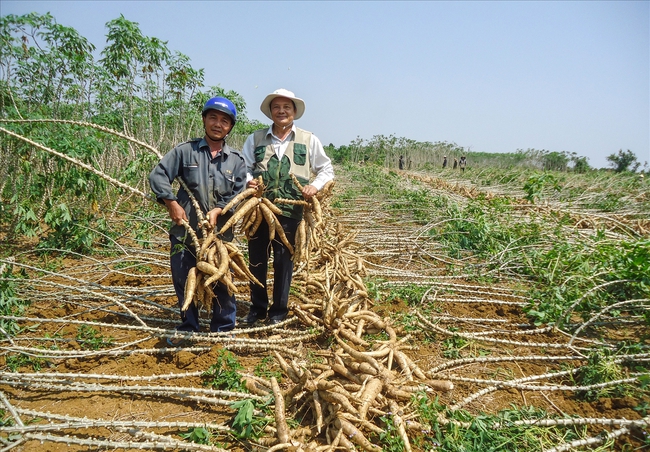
(212, 181)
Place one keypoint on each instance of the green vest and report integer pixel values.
(275, 173)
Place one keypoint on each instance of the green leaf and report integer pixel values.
(243, 422)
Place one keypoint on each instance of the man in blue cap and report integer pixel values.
(214, 173)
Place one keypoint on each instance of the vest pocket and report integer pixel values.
(260, 151)
(299, 154)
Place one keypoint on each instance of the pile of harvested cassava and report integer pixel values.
(358, 382)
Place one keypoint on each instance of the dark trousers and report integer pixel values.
(224, 308)
(259, 250)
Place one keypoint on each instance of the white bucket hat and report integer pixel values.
(298, 102)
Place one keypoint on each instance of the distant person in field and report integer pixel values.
(214, 173)
(455, 163)
(274, 153)
(401, 162)
(463, 163)
(444, 162)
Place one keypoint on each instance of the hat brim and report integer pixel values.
(298, 102)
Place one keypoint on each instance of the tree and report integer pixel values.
(139, 87)
(555, 161)
(580, 164)
(624, 161)
(46, 67)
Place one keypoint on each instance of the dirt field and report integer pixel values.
(136, 389)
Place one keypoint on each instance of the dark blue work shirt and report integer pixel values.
(212, 181)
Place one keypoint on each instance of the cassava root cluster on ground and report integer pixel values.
(357, 381)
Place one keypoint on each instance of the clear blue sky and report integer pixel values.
(493, 76)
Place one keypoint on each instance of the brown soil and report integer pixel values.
(391, 251)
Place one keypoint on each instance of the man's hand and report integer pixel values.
(252, 183)
(176, 212)
(308, 191)
(213, 215)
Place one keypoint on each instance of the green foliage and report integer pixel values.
(337, 155)
(623, 161)
(268, 368)
(198, 435)
(485, 227)
(129, 52)
(452, 346)
(138, 86)
(643, 408)
(580, 164)
(340, 200)
(390, 439)
(224, 374)
(246, 424)
(89, 338)
(47, 64)
(482, 435)
(16, 362)
(385, 151)
(69, 232)
(537, 183)
(5, 419)
(608, 202)
(410, 293)
(625, 261)
(418, 202)
(556, 161)
(10, 303)
(551, 160)
(374, 179)
(133, 266)
(53, 198)
(380, 336)
(142, 224)
(621, 271)
(601, 368)
(569, 272)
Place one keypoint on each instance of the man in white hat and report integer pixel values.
(274, 153)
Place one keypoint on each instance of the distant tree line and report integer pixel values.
(386, 151)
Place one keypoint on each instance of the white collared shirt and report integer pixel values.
(320, 163)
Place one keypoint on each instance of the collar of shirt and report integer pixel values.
(279, 146)
(288, 137)
(204, 144)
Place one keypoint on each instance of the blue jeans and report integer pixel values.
(224, 308)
